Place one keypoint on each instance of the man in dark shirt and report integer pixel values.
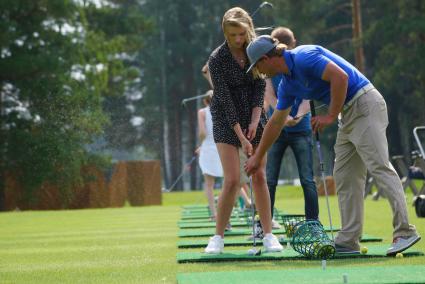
(296, 135)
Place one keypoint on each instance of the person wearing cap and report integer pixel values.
(297, 135)
(315, 73)
(238, 122)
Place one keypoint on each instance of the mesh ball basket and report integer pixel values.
(310, 239)
(290, 221)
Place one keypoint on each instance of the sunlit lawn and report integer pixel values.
(138, 245)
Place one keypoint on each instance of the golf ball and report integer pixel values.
(364, 250)
(399, 255)
(289, 230)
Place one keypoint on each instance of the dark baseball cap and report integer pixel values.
(258, 47)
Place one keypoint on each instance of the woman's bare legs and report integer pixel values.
(262, 197)
(229, 156)
(209, 192)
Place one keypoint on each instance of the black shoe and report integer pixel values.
(345, 250)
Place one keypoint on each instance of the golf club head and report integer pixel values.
(265, 3)
(261, 29)
(262, 5)
(254, 251)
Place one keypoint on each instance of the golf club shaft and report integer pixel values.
(182, 173)
(252, 211)
(261, 29)
(322, 169)
(304, 114)
(184, 101)
(301, 115)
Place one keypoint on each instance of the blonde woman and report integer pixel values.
(244, 179)
(238, 122)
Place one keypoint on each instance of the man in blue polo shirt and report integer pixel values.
(313, 72)
(296, 135)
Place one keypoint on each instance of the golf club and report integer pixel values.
(301, 115)
(322, 169)
(186, 167)
(304, 114)
(184, 101)
(254, 250)
(262, 5)
(261, 29)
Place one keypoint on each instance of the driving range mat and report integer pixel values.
(208, 220)
(246, 242)
(287, 254)
(333, 275)
(186, 233)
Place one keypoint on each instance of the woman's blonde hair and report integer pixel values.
(238, 17)
(277, 51)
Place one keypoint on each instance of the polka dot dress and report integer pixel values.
(236, 93)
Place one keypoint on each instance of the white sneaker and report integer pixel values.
(215, 245)
(275, 224)
(271, 243)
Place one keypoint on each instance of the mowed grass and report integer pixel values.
(139, 244)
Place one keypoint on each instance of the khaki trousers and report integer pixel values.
(361, 145)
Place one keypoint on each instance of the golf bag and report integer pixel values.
(419, 203)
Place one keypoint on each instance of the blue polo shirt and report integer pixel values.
(302, 126)
(306, 64)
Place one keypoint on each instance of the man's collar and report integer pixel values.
(288, 60)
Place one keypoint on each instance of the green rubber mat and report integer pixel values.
(195, 206)
(235, 212)
(208, 220)
(212, 225)
(364, 239)
(196, 211)
(208, 232)
(332, 275)
(206, 208)
(206, 215)
(286, 254)
(187, 233)
(246, 242)
(198, 217)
